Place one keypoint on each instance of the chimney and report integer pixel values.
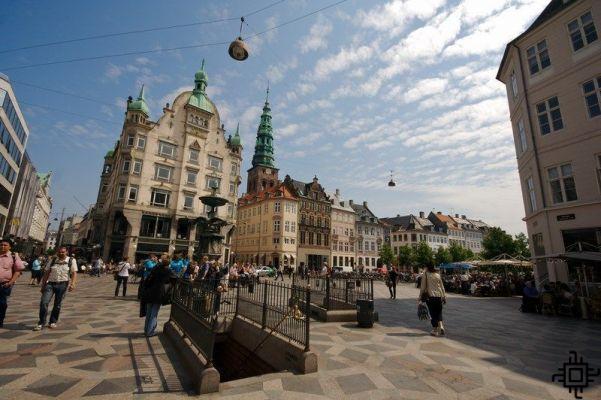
(342, 203)
(350, 202)
(337, 192)
(365, 204)
(398, 215)
(463, 216)
(421, 214)
(439, 212)
(456, 215)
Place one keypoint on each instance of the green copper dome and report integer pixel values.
(236, 140)
(264, 144)
(139, 104)
(109, 154)
(199, 97)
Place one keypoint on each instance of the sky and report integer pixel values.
(357, 91)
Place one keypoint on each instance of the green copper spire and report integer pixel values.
(264, 144)
(199, 97)
(236, 140)
(139, 104)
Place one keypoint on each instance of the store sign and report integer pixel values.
(566, 217)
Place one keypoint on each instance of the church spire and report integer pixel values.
(264, 145)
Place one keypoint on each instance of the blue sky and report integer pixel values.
(356, 91)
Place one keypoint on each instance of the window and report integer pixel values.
(531, 194)
(302, 237)
(287, 226)
(538, 57)
(131, 140)
(276, 226)
(293, 223)
(159, 198)
(549, 116)
(233, 188)
(582, 31)
(166, 149)
(215, 163)
(141, 142)
(194, 156)
(155, 226)
(137, 167)
(592, 96)
(311, 237)
(191, 177)
(133, 193)
(514, 84)
(126, 164)
(188, 202)
(599, 170)
(214, 182)
(318, 239)
(522, 142)
(561, 181)
(277, 207)
(234, 169)
(162, 172)
(121, 192)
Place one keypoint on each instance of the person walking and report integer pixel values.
(59, 277)
(10, 270)
(278, 272)
(393, 278)
(432, 292)
(122, 275)
(156, 293)
(36, 271)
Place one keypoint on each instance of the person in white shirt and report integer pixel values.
(122, 274)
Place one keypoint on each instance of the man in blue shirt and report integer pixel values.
(149, 265)
(36, 271)
(177, 265)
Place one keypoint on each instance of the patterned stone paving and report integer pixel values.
(492, 352)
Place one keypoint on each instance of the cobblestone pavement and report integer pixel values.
(492, 351)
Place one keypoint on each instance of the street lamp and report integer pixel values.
(238, 49)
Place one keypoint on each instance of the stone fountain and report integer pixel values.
(210, 239)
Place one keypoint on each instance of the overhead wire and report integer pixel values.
(63, 93)
(70, 113)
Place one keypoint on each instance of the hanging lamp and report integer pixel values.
(391, 182)
(238, 49)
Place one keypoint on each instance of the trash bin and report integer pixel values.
(365, 313)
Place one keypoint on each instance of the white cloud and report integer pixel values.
(344, 59)
(317, 37)
(288, 130)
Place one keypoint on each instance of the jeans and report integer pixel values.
(4, 294)
(58, 290)
(152, 313)
(435, 308)
(119, 280)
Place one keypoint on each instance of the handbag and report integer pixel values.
(422, 311)
(425, 296)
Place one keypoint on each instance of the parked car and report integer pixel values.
(343, 269)
(265, 271)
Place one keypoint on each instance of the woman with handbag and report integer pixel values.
(432, 292)
(157, 292)
(121, 275)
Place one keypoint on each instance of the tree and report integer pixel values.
(386, 255)
(424, 256)
(497, 242)
(521, 245)
(406, 256)
(457, 253)
(442, 256)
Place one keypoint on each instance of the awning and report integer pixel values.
(582, 255)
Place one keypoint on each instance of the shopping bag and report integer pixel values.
(422, 311)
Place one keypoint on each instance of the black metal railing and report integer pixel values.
(336, 293)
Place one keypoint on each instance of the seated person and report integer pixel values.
(530, 298)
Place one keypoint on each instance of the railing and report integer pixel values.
(334, 293)
(277, 307)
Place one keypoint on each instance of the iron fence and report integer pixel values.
(336, 293)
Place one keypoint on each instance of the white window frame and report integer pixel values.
(126, 166)
(186, 198)
(595, 93)
(233, 188)
(166, 145)
(194, 174)
(276, 225)
(514, 84)
(158, 168)
(544, 109)
(576, 30)
(121, 192)
(234, 169)
(133, 189)
(131, 139)
(210, 178)
(522, 141)
(540, 53)
(137, 168)
(153, 194)
(531, 194)
(277, 207)
(561, 178)
(215, 163)
(194, 159)
(141, 142)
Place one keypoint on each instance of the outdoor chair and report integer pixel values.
(548, 303)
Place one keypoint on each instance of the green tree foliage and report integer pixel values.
(458, 253)
(521, 245)
(497, 242)
(386, 255)
(406, 256)
(424, 256)
(442, 256)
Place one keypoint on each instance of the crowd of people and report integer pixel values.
(556, 296)
(479, 283)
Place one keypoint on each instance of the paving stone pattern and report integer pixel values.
(492, 351)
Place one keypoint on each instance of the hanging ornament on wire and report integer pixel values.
(238, 49)
(391, 183)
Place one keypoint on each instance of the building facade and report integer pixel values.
(370, 236)
(13, 135)
(343, 233)
(410, 230)
(472, 234)
(41, 212)
(50, 242)
(23, 202)
(151, 181)
(68, 231)
(553, 81)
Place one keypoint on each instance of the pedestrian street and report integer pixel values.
(492, 351)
